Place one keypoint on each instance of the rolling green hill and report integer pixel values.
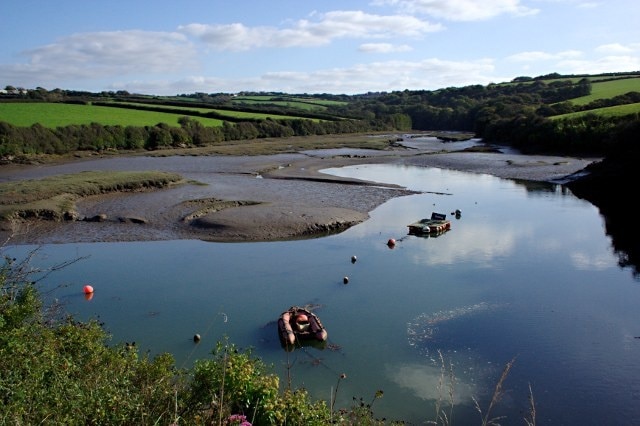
(289, 102)
(528, 113)
(609, 89)
(612, 111)
(52, 115)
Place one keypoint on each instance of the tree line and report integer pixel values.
(516, 113)
(17, 141)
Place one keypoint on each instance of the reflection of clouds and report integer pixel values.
(550, 243)
(425, 382)
(592, 261)
(582, 253)
(432, 380)
(479, 244)
(422, 329)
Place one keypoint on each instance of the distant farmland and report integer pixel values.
(54, 115)
(612, 111)
(301, 103)
(227, 113)
(609, 89)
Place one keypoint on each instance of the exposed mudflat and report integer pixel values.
(259, 198)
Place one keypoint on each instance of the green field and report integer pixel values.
(613, 111)
(609, 89)
(254, 115)
(286, 104)
(54, 115)
(602, 87)
(226, 113)
(306, 104)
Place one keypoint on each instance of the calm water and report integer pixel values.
(526, 272)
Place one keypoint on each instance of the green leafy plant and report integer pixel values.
(56, 370)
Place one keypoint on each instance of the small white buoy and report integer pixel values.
(196, 338)
(353, 259)
(345, 280)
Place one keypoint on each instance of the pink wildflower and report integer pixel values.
(239, 419)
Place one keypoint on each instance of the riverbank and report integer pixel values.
(261, 197)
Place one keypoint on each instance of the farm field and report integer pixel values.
(306, 104)
(227, 113)
(54, 115)
(609, 89)
(613, 111)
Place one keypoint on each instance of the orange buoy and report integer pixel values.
(88, 289)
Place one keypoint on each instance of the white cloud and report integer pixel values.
(534, 56)
(428, 74)
(94, 55)
(462, 10)
(616, 48)
(588, 5)
(386, 76)
(328, 27)
(383, 48)
(600, 65)
(617, 58)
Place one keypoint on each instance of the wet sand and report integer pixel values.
(259, 198)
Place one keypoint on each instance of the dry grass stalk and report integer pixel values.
(531, 421)
(445, 373)
(497, 395)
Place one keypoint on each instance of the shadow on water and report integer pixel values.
(621, 225)
(624, 230)
(602, 188)
(525, 271)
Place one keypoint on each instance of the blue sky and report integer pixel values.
(296, 46)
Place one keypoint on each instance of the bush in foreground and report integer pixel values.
(56, 370)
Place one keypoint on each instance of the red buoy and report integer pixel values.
(88, 289)
(391, 242)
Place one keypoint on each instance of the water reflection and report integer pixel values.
(526, 272)
(430, 382)
(422, 329)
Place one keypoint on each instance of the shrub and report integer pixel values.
(57, 370)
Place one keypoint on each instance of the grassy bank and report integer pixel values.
(52, 115)
(54, 197)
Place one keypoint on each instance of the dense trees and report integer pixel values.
(37, 139)
(516, 113)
